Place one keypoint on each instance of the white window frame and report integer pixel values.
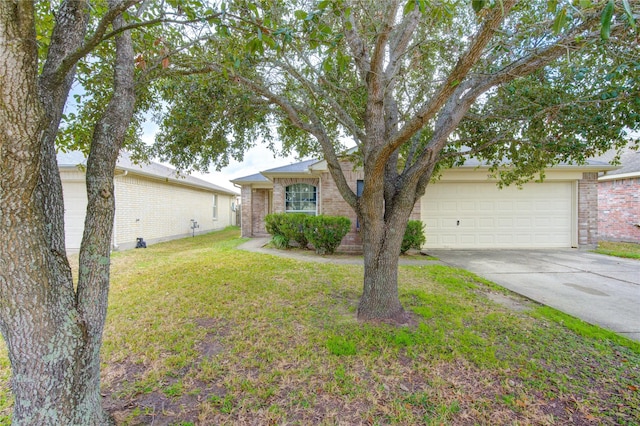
(215, 206)
(299, 199)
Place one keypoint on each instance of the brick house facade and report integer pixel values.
(152, 201)
(264, 193)
(619, 200)
(588, 210)
(575, 188)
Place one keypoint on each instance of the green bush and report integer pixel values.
(293, 226)
(414, 237)
(285, 227)
(280, 241)
(326, 232)
(274, 223)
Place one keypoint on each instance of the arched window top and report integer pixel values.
(301, 198)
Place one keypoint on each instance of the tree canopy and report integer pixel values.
(542, 87)
(417, 86)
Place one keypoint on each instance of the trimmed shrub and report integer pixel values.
(414, 236)
(292, 227)
(280, 241)
(274, 223)
(285, 227)
(326, 232)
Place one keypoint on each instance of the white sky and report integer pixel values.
(255, 160)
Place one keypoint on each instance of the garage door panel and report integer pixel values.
(449, 206)
(504, 239)
(487, 222)
(75, 205)
(504, 206)
(504, 222)
(467, 206)
(477, 215)
(449, 239)
(469, 239)
(485, 206)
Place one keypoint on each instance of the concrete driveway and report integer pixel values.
(599, 289)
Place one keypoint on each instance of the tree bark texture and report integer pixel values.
(53, 333)
(384, 220)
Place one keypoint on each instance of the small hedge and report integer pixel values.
(293, 228)
(326, 232)
(414, 237)
(274, 225)
(285, 227)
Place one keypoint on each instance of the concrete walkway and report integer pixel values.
(258, 245)
(599, 289)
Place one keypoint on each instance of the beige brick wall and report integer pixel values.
(74, 191)
(158, 211)
(246, 212)
(331, 201)
(588, 210)
(255, 206)
(619, 210)
(147, 208)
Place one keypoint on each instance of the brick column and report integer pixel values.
(245, 211)
(588, 210)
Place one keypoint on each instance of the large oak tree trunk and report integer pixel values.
(379, 299)
(383, 230)
(53, 333)
(41, 327)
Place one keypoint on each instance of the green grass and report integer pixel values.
(199, 332)
(627, 250)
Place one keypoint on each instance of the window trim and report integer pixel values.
(313, 212)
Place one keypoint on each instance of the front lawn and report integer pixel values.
(199, 332)
(628, 250)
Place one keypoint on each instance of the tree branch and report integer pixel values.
(379, 50)
(314, 128)
(313, 89)
(459, 72)
(357, 46)
(400, 41)
(72, 58)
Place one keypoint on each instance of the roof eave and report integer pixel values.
(175, 180)
(281, 175)
(619, 176)
(584, 167)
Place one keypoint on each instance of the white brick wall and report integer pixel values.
(157, 211)
(153, 209)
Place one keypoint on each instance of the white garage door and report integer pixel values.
(75, 206)
(479, 215)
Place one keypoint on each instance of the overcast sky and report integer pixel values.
(256, 159)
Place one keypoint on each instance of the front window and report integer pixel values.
(301, 198)
(215, 207)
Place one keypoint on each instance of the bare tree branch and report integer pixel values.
(317, 91)
(70, 60)
(400, 40)
(357, 46)
(315, 128)
(459, 72)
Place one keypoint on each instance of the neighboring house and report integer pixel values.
(464, 209)
(619, 200)
(153, 202)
